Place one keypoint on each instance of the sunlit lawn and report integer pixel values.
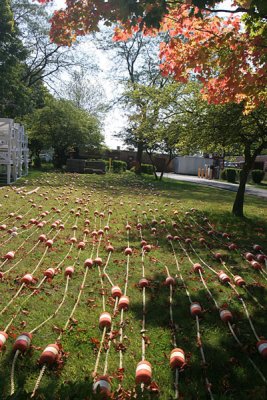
(132, 200)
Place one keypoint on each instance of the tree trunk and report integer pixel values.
(153, 164)
(166, 164)
(138, 160)
(238, 206)
(249, 161)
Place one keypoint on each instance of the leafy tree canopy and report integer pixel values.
(80, 17)
(62, 126)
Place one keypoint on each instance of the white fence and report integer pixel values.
(14, 152)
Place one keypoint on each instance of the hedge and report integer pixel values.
(257, 175)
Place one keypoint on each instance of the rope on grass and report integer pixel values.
(250, 360)
(104, 309)
(23, 303)
(12, 378)
(144, 311)
(14, 212)
(199, 341)
(12, 299)
(57, 310)
(38, 381)
(230, 272)
(234, 289)
(125, 294)
(229, 324)
(109, 341)
(105, 267)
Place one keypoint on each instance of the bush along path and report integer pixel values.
(112, 291)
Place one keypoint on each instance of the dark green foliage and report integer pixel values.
(231, 175)
(257, 175)
(119, 166)
(147, 169)
(62, 126)
(17, 97)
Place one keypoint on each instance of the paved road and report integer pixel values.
(220, 185)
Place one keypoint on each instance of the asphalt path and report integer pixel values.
(251, 190)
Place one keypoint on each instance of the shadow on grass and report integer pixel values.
(227, 365)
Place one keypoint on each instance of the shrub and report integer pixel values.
(257, 175)
(147, 169)
(229, 174)
(119, 166)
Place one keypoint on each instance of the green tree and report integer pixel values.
(62, 126)
(157, 114)
(12, 57)
(225, 128)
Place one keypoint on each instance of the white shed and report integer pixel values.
(189, 165)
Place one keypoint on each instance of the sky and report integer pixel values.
(115, 119)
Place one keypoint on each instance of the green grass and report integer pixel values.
(227, 368)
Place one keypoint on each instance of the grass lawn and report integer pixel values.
(69, 208)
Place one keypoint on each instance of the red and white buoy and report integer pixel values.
(49, 243)
(143, 283)
(249, 256)
(143, 373)
(88, 263)
(239, 281)
(69, 271)
(10, 255)
(197, 267)
(177, 358)
(123, 303)
(102, 386)
(256, 265)
(232, 246)
(50, 354)
(3, 338)
(261, 257)
(226, 315)
(147, 248)
(169, 281)
(98, 261)
(23, 342)
(128, 251)
(257, 247)
(223, 277)
(195, 309)
(27, 279)
(110, 248)
(49, 273)
(81, 245)
(116, 291)
(105, 320)
(262, 348)
(218, 256)
(42, 238)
